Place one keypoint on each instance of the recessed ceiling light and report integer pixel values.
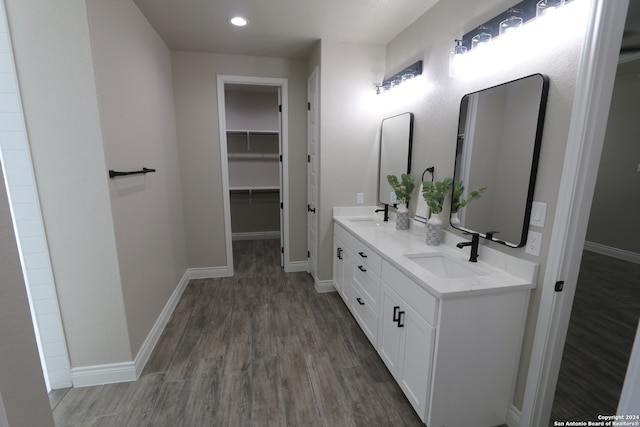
(238, 21)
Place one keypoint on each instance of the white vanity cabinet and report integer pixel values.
(356, 276)
(405, 344)
(452, 346)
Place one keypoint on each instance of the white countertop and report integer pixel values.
(500, 272)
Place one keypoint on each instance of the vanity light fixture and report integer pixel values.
(546, 6)
(482, 38)
(238, 21)
(400, 77)
(512, 22)
(501, 24)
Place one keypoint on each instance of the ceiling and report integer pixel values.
(278, 28)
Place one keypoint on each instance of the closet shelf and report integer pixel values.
(252, 132)
(256, 188)
(254, 156)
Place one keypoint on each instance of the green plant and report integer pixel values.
(457, 201)
(435, 192)
(403, 188)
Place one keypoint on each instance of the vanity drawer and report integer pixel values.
(364, 315)
(369, 284)
(418, 298)
(365, 256)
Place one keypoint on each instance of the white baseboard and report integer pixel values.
(323, 286)
(209, 272)
(513, 417)
(154, 335)
(612, 252)
(258, 235)
(296, 266)
(109, 373)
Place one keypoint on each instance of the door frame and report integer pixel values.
(312, 162)
(283, 95)
(577, 185)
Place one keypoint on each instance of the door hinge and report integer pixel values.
(308, 254)
(280, 157)
(282, 249)
(280, 108)
(281, 205)
(308, 158)
(559, 286)
(308, 106)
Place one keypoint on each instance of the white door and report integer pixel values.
(312, 169)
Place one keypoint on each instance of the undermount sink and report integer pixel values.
(365, 221)
(443, 266)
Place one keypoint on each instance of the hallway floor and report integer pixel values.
(261, 348)
(601, 332)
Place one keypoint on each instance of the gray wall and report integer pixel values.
(24, 395)
(195, 88)
(348, 134)
(616, 202)
(135, 98)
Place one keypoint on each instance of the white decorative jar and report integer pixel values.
(402, 217)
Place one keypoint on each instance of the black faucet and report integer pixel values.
(386, 212)
(475, 241)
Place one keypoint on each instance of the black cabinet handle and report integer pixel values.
(396, 318)
(360, 301)
(401, 319)
(339, 253)
(362, 254)
(361, 268)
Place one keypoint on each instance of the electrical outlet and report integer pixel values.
(534, 243)
(360, 198)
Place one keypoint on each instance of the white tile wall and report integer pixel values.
(22, 190)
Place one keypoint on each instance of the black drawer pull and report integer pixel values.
(401, 319)
(360, 301)
(396, 318)
(339, 254)
(362, 254)
(361, 268)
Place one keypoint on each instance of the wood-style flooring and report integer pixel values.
(601, 332)
(261, 348)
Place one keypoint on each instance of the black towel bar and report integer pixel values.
(113, 174)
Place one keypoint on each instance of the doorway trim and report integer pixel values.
(577, 185)
(282, 83)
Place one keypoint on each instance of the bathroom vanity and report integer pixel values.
(449, 331)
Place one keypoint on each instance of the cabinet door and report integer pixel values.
(416, 352)
(341, 269)
(389, 333)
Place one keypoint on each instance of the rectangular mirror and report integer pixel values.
(395, 153)
(499, 135)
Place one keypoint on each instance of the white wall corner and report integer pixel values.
(323, 286)
(296, 266)
(209, 272)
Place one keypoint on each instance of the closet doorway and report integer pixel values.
(253, 135)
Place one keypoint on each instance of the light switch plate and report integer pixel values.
(538, 214)
(360, 198)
